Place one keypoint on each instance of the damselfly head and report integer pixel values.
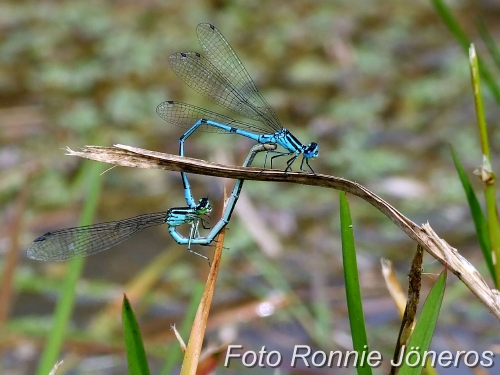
(203, 207)
(311, 150)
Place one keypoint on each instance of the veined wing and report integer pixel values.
(186, 115)
(226, 61)
(71, 243)
(201, 75)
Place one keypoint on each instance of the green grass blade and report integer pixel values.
(477, 213)
(424, 329)
(464, 42)
(65, 303)
(452, 23)
(486, 170)
(174, 352)
(478, 102)
(353, 291)
(489, 42)
(136, 355)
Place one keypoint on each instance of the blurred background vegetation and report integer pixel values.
(381, 86)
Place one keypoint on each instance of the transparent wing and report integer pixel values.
(199, 74)
(226, 61)
(186, 115)
(71, 243)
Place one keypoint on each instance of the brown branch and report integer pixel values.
(425, 236)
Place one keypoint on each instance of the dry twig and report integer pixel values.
(424, 235)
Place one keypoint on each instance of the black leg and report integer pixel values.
(290, 162)
(307, 162)
(280, 154)
(302, 164)
(277, 156)
(204, 222)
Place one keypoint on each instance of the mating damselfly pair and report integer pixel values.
(221, 77)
